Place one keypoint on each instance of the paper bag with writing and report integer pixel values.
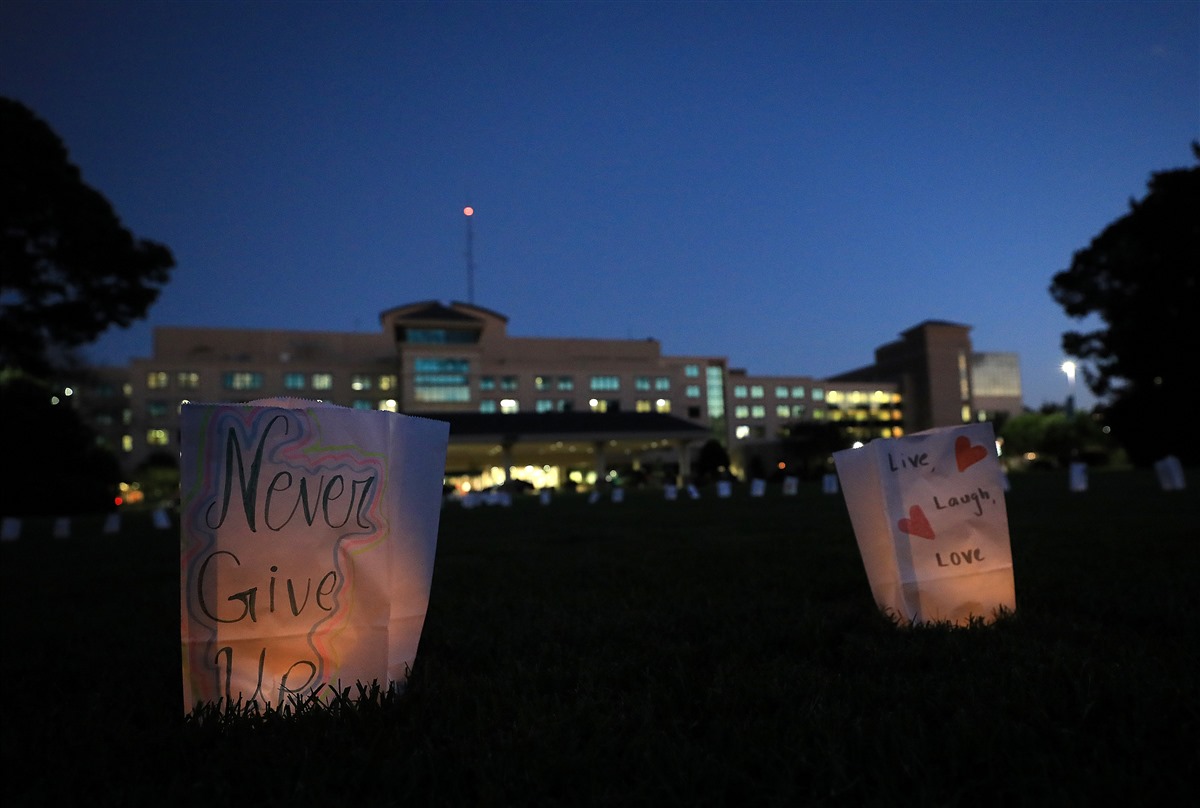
(308, 534)
(929, 515)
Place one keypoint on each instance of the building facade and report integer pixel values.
(604, 401)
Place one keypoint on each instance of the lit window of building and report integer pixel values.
(242, 380)
(294, 381)
(157, 437)
(605, 383)
(322, 381)
(441, 380)
(360, 382)
(187, 380)
(714, 377)
(157, 380)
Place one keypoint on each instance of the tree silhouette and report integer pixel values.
(1140, 277)
(68, 269)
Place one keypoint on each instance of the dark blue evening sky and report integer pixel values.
(789, 184)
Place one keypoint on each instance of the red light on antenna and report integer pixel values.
(468, 211)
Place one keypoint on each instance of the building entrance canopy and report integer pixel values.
(564, 439)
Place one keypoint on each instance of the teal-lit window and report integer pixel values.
(741, 411)
(818, 394)
(691, 371)
(439, 336)
(692, 391)
(566, 383)
(508, 382)
(487, 382)
(543, 405)
(641, 383)
(293, 381)
(715, 384)
(242, 380)
(662, 383)
(756, 391)
(606, 383)
(798, 391)
(362, 404)
(156, 408)
(488, 405)
(438, 380)
(739, 391)
(781, 391)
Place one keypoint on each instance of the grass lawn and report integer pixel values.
(710, 652)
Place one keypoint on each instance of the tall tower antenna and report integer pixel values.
(468, 212)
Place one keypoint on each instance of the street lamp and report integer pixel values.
(1068, 368)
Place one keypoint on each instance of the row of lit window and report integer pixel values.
(510, 406)
(254, 380)
(781, 391)
(759, 411)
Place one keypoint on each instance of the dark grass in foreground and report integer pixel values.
(649, 653)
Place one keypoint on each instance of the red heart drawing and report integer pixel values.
(916, 524)
(966, 454)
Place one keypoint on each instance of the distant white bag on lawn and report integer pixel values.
(929, 515)
(308, 534)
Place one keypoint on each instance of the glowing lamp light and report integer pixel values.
(468, 211)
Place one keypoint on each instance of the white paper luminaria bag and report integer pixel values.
(308, 534)
(928, 511)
